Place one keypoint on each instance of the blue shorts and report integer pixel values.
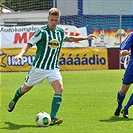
(128, 76)
(127, 79)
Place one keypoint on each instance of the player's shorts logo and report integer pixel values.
(53, 43)
(2, 56)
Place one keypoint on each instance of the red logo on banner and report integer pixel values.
(18, 39)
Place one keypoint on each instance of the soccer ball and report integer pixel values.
(43, 119)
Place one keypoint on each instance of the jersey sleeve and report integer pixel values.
(35, 38)
(127, 43)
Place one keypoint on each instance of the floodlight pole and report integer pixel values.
(120, 23)
(55, 3)
(120, 35)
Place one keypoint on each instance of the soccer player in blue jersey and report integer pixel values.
(126, 48)
(48, 40)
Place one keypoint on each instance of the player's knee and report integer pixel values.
(25, 89)
(124, 89)
(59, 90)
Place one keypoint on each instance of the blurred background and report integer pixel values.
(110, 20)
(104, 16)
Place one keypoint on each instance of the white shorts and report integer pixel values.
(37, 75)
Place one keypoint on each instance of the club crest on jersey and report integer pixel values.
(53, 43)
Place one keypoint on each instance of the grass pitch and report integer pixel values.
(89, 102)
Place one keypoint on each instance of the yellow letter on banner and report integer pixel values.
(83, 59)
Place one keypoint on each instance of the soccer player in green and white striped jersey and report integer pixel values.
(48, 40)
(48, 47)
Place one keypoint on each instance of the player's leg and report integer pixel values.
(57, 98)
(120, 97)
(20, 92)
(56, 81)
(121, 94)
(127, 80)
(34, 77)
(129, 103)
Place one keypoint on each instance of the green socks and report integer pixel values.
(57, 99)
(55, 104)
(18, 94)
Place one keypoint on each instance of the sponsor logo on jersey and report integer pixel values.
(53, 43)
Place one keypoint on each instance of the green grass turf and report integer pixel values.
(89, 101)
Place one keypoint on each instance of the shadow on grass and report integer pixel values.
(12, 126)
(115, 119)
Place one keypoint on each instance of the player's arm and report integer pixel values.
(126, 45)
(124, 52)
(80, 38)
(22, 52)
(34, 39)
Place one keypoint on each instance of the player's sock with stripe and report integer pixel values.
(55, 104)
(17, 95)
(129, 103)
(120, 98)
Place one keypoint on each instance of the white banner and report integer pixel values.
(74, 31)
(17, 36)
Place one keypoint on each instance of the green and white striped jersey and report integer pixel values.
(48, 44)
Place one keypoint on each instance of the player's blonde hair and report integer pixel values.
(54, 11)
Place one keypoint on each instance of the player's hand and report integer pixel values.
(91, 37)
(124, 52)
(17, 57)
